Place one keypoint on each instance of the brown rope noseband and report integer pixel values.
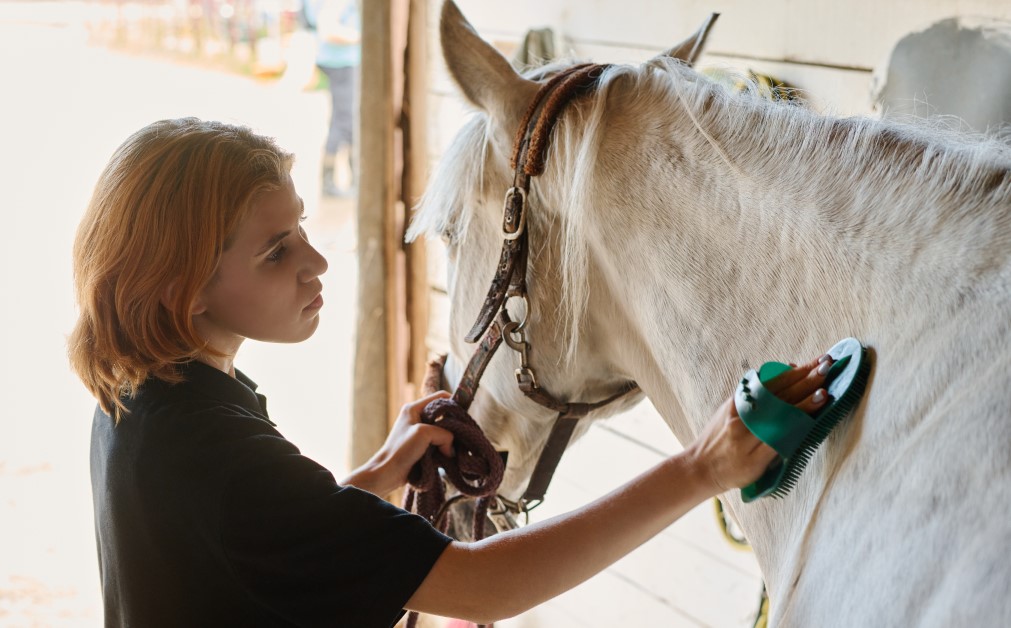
(493, 326)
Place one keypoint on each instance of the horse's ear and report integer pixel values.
(691, 48)
(483, 74)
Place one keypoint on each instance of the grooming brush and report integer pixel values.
(794, 434)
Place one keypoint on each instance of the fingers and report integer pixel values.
(435, 436)
(424, 401)
(426, 435)
(803, 386)
(790, 378)
(800, 382)
(813, 379)
(414, 408)
(813, 402)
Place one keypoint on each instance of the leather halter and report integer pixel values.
(493, 325)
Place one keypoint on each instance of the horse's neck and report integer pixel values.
(761, 268)
(726, 265)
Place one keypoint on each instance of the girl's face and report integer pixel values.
(267, 283)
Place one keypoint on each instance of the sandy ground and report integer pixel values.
(65, 107)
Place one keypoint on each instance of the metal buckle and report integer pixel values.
(525, 373)
(519, 507)
(512, 235)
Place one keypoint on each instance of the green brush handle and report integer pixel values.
(778, 424)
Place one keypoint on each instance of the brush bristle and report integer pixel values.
(823, 427)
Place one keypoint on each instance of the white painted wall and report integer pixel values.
(825, 47)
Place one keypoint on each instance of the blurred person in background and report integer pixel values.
(337, 25)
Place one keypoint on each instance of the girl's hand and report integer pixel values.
(730, 455)
(407, 442)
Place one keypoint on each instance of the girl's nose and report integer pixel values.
(314, 266)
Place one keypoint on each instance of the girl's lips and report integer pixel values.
(316, 303)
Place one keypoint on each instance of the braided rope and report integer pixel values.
(476, 470)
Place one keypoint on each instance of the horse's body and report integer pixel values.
(681, 234)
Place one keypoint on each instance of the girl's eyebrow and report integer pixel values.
(277, 237)
(274, 239)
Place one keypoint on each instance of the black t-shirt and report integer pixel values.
(206, 516)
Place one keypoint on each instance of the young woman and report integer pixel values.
(204, 514)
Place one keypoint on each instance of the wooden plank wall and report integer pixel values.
(831, 50)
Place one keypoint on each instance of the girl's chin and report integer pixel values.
(304, 331)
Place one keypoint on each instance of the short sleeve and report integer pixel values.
(313, 552)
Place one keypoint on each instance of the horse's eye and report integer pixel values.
(448, 235)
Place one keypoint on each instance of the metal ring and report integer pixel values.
(526, 309)
(512, 327)
(521, 506)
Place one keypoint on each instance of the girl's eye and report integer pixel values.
(277, 254)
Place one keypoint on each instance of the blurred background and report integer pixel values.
(77, 78)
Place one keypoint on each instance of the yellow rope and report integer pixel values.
(741, 543)
(762, 619)
(738, 542)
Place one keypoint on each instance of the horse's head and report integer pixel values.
(572, 328)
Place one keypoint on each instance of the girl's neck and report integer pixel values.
(224, 363)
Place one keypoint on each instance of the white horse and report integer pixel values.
(681, 233)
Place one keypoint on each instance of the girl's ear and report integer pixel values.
(198, 307)
(168, 300)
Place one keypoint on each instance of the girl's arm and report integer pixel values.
(511, 572)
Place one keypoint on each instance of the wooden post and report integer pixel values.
(415, 176)
(392, 321)
(372, 402)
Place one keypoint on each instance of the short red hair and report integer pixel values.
(161, 215)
